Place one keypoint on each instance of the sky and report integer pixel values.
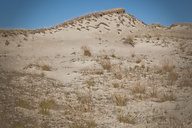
(35, 14)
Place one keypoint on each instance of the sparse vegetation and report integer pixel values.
(117, 71)
(17, 125)
(97, 89)
(138, 88)
(90, 82)
(120, 99)
(167, 96)
(46, 67)
(22, 103)
(81, 123)
(138, 60)
(129, 40)
(126, 118)
(6, 42)
(46, 105)
(86, 51)
(116, 85)
(105, 64)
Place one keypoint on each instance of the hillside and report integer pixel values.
(103, 70)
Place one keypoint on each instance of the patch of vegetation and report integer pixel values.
(138, 88)
(90, 82)
(46, 67)
(105, 64)
(22, 104)
(129, 40)
(86, 51)
(81, 123)
(46, 105)
(17, 125)
(117, 72)
(126, 118)
(167, 96)
(120, 99)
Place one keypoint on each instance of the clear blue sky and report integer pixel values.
(34, 14)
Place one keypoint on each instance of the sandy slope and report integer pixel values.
(86, 94)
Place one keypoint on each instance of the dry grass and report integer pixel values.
(138, 88)
(167, 65)
(17, 125)
(90, 82)
(81, 123)
(46, 105)
(153, 92)
(133, 55)
(126, 118)
(43, 67)
(120, 99)
(138, 60)
(46, 67)
(172, 78)
(22, 104)
(186, 82)
(116, 69)
(105, 64)
(86, 51)
(7, 42)
(116, 85)
(167, 96)
(85, 99)
(129, 40)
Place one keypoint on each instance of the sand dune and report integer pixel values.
(102, 70)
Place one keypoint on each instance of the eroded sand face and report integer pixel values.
(49, 80)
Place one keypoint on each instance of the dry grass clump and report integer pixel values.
(133, 55)
(186, 82)
(186, 79)
(138, 88)
(128, 40)
(90, 82)
(7, 43)
(82, 123)
(46, 105)
(46, 67)
(87, 71)
(167, 65)
(172, 77)
(86, 51)
(17, 125)
(120, 99)
(22, 104)
(126, 118)
(153, 92)
(138, 60)
(153, 25)
(115, 85)
(43, 67)
(105, 64)
(85, 99)
(117, 70)
(167, 96)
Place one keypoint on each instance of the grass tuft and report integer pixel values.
(126, 118)
(138, 88)
(167, 96)
(22, 104)
(46, 105)
(120, 99)
(86, 51)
